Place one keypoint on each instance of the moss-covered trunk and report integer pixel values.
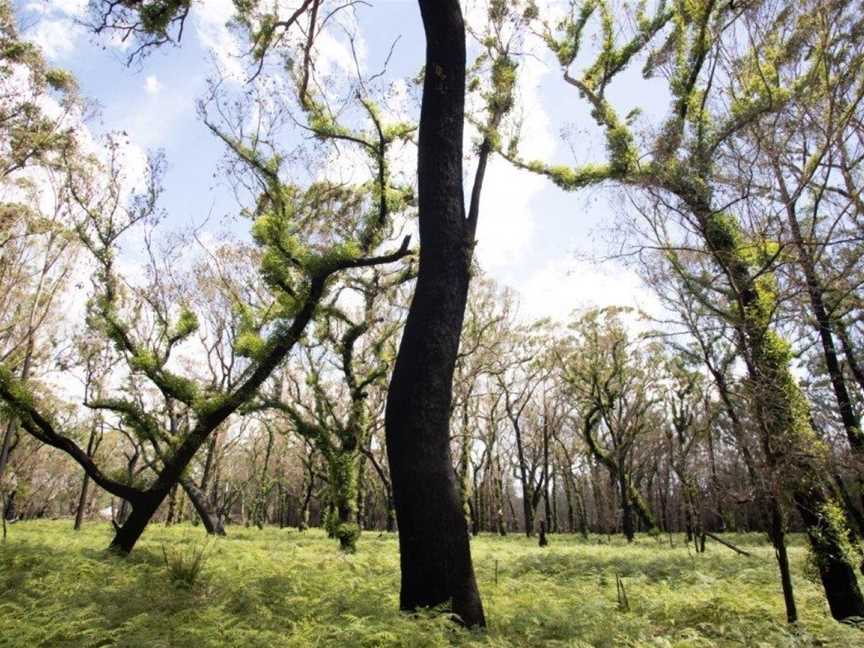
(795, 455)
(343, 469)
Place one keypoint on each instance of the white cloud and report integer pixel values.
(75, 8)
(506, 227)
(211, 27)
(152, 85)
(333, 52)
(55, 31)
(56, 38)
(564, 285)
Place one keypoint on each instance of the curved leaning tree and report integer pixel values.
(305, 234)
(728, 66)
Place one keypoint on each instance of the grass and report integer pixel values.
(275, 588)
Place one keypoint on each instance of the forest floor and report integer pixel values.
(276, 588)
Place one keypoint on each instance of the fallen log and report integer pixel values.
(729, 544)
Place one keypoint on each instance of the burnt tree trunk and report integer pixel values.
(542, 541)
(778, 539)
(206, 511)
(433, 537)
(627, 525)
(133, 526)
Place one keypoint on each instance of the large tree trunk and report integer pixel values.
(528, 510)
(433, 538)
(209, 518)
(626, 509)
(142, 510)
(825, 328)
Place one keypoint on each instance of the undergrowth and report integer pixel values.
(275, 588)
(184, 562)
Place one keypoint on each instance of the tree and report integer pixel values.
(340, 233)
(433, 538)
(40, 116)
(610, 377)
(436, 565)
(682, 169)
(333, 414)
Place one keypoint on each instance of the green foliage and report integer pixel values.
(567, 48)
(184, 562)
(347, 534)
(60, 80)
(835, 533)
(571, 179)
(284, 588)
(250, 345)
(186, 324)
(17, 390)
(157, 15)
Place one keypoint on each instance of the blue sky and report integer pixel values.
(529, 230)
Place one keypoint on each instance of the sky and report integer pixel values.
(532, 236)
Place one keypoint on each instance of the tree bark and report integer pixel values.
(626, 508)
(82, 500)
(778, 539)
(825, 328)
(794, 453)
(209, 518)
(433, 537)
(142, 510)
(6, 445)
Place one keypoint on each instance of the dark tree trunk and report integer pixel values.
(856, 518)
(6, 445)
(778, 539)
(835, 569)
(528, 513)
(547, 510)
(582, 513)
(142, 510)
(209, 518)
(123, 513)
(554, 520)
(626, 509)
(391, 516)
(571, 511)
(362, 498)
(303, 522)
(82, 503)
(435, 554)
(542, 540)
(825, 329)
(82, 499)
(849, 352)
